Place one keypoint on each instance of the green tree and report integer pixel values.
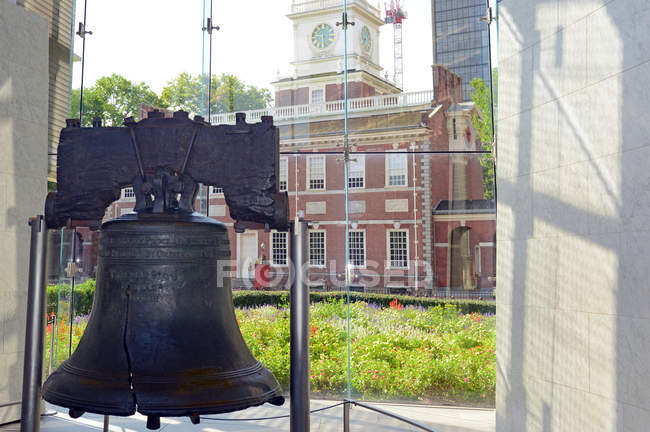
(183, 92)
(482, 97)
(229, 94)
(112, 98)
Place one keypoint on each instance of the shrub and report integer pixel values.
(84, 293)
(83, 296)
(276, 298)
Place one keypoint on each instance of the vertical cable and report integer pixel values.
(209, 28)
(74, 272)
(55, 326)
(416, 243)
(494, 129)
(72, 19)
(200, 194)
(83, 63)
(207, 201)
(58, 297)
(346, 159)
(204, 29)
(210, 67)
(206, 113)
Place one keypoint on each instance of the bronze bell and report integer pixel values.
(162, 338)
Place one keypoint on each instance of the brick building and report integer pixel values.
(418, 220)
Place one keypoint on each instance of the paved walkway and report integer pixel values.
(442, 419)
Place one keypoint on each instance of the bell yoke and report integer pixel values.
(163, 338)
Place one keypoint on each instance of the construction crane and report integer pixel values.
(395, 15)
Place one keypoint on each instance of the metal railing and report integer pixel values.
(346, 416)
(299, 6)
(371, 103)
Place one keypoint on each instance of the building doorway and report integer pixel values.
(247, 254)
(460, 260)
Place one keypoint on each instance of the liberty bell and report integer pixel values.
(162, 338)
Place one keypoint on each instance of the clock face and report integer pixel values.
(322, 36)
(366, 39)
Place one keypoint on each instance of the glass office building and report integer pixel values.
(460, 40)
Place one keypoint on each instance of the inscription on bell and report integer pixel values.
(153, 254)
(148, 275)
(128, 240)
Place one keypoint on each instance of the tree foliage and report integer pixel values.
(112, 98)
(482, 97)
(229, 94)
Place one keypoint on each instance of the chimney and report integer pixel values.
(446, 85)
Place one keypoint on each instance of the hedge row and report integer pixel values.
(83, 299)
(275, 298)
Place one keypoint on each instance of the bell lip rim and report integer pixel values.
(244, 403)
(272, 397)
(153, 218)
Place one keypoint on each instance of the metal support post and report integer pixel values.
(72, 274)
(33, 360)
(346, 416)
(51, 322)
(299, 328)
(106, 424)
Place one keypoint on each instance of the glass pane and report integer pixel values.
(428, 225)
(71, 270)
(396, 181)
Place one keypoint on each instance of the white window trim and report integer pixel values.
(213, 193)
(271, 258)
(309, 158)
(286, 159)
(387, 170)
(311, 90)
(363, 158)
(324, 248)
(408, 250)
(365, 250)
(123, 196)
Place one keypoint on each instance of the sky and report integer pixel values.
(153, 41)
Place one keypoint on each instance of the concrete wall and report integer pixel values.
(573, 301)
(23, 178)
(59, 15)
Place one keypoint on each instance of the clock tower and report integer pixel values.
(319, 53)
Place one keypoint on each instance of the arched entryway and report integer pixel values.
(460, 260)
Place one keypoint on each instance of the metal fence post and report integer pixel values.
(346, 416)
(33, 360)
(299, 329)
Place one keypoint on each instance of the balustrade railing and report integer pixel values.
(299, 6)
(390, 101)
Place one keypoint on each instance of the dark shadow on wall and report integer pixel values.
(628, 366)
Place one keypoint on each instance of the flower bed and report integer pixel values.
(433, 355)
(397, 353)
